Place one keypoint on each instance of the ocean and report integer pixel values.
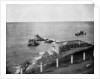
(18, 34)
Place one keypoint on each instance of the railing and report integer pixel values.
(71, 57)
(83, 52)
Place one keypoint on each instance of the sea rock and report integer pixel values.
(48, 41)
(38, 38)
(33, 42)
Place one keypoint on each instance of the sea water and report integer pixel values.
(18, 34)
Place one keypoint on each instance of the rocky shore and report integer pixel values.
(58, 50)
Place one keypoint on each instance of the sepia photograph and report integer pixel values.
(50, 39)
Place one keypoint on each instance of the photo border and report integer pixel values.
(58, 76)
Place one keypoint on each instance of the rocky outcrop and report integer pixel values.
(48, 41)
(33, 42)
(37, 40)
(80, 33)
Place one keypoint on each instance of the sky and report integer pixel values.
(49, 12)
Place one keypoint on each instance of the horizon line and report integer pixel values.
(47, 21)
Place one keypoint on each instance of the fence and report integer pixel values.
(75, 57)
(71, 57)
